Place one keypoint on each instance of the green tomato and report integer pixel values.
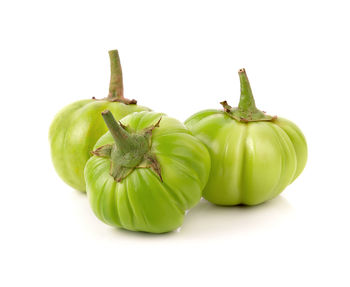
(253, 156)
(146, 173)
(76, 128)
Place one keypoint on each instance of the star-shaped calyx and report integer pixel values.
(246, 110)
(130, 150)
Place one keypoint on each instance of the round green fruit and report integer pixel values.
(253, 156)
(76, 128)
(146, 172)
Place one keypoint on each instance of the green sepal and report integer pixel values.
(131, 149)
(148, 131)
(150, 161)
(120, 172)
(246, 110)
(103, 151)
(246, 115)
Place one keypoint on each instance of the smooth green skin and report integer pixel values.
(74, 132)
(250, 162)
(141, 202)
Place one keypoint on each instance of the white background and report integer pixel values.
(178, 57)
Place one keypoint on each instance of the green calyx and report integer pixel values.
(116, 89)
(131, 149)
(246, 110)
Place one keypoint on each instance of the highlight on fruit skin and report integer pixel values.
(76, 128)
(254, 156)
(146, 171)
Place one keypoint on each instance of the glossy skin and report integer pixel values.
(250, 162)
(74, 132)
(141, 201)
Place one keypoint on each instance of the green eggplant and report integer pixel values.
(76, 128)
(254, 156)
(146, 172)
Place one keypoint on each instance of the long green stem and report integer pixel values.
(116, 90)
(246, 101)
